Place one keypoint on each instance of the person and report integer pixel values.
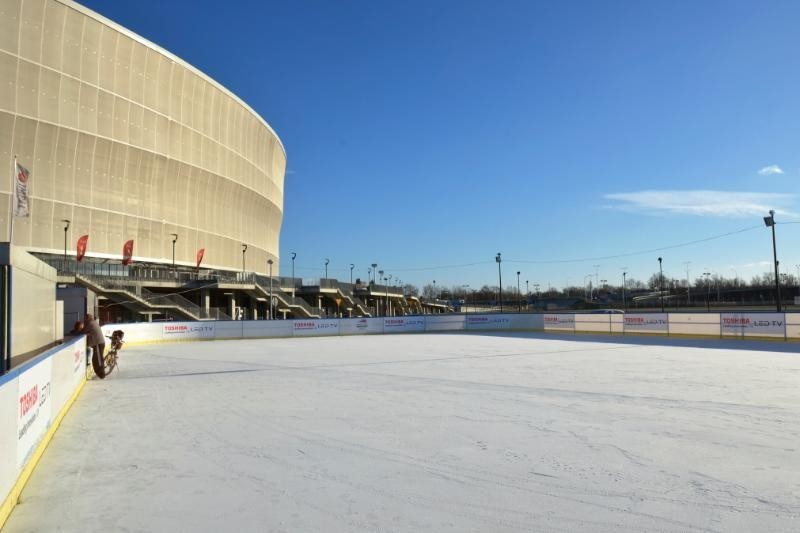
(97, 342)
(77, 329)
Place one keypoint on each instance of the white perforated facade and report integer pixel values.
(127, 141)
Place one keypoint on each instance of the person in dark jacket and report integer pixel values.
(94, 338)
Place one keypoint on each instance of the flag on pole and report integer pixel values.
(82, 247)
(127, 252)
(200, 253)
(21, 208)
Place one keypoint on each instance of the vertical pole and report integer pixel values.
(624, 302)
(11, 203)
(519, 296)
(661, 284)
(775, 259)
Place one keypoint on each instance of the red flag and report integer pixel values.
(127, 253)
(82, 246)
(200, 253)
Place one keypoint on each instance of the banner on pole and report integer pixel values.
(21, 207)
(200, 253)
(82, 247)
(127, 253)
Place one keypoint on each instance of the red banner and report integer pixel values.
(127, 253)
(82, 246)
(200, 253)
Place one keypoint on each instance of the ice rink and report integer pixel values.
(430, 432)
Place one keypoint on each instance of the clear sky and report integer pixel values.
(425, 136)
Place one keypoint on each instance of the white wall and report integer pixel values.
(33, 300)
(31, 397)
(747, 325)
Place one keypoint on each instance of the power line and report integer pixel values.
(586, 259)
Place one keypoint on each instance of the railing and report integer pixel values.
(263, 282)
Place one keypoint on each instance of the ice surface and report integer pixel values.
(435, 432)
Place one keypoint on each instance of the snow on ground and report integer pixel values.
(437, 432)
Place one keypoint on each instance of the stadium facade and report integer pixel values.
(128, 142)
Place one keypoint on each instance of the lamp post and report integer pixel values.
(434, 290)
(708, 291)
(661, 284)
(688, 284)
(519, 296)
(624, 302)
(500, 277)
(386, 286)
(244, 251)
(271, 314)
(770, 223)
(374, 269)
(326, 267)
(293, 283)
(66, 222)
(380, 275)
(174, 240)
(352, 266)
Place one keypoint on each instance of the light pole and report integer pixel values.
(374, 269)
(589, 292)
(352, 266)
(770, 223)
(294, 255)
(244, 251)
(386, 286)
(519, 296)
(708, 291)
(380, 274)
(271, 314)
(688, 284)
(174, 240)
(66, 222)
(661, 284)
(434, 290)
(624, 302)
(326, 267)
(500, 276)
(466, 295)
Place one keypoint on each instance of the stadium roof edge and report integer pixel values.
(135, 36)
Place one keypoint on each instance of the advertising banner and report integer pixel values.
(401, 324)
(187, 330)
(445, 322)
(309, 328)
(127, 252)
(81, 249)
(488, 322)
(34, 408)
(559, 322)
(646, 322)
(360, 326)
(753, 324)
(21, 206)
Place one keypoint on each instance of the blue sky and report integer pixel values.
(425, 136)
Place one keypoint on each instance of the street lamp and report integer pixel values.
(271, 314)
(661, 284)
(326, 267)
(386, 286)
(244, 251)
(770, 223)
(500, 276)
(624, 302)
(374, 269)
(174, 240)
(708, 291)
(352, 266)
(293, 283)
(519, 296)
(66, 228)
(380, 275)
(434, 289)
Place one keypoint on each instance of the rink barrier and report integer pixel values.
(750, 325)
(34, 398)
